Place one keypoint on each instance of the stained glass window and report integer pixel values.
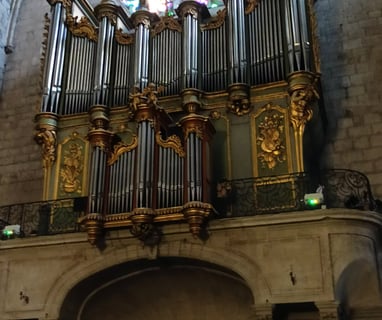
(166, 7)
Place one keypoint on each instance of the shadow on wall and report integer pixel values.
(359, 285)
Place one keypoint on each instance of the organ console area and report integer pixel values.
(148, 115)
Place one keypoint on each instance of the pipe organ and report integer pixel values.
(144, 114)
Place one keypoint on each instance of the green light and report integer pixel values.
(8, 233)
(313, 202)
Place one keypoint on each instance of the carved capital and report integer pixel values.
(94, 226)
(192, 8)
(143, 17)
(196, 213)
(107, 9)
(197, 124)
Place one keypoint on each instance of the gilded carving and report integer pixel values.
(48, 141)
(112, 17)
(251, 5)
(72, 168)
(167, 23)
(123, 38)
(300, 110)
(172, 142)
(82, 28)
(239, 107)
(238, 100)
(270, 141)
(121, 148)
(216, 22)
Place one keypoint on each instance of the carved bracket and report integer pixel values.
(46, 136)
(238, 99)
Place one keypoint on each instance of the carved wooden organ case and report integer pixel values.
(144, 115)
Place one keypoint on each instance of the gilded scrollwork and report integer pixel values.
(167, 23)
(251, 5)
(270, 140)
(48, 141)
(72, 168)
(82, 28)
(123, 38)
(172, 142)
(121, 148)
(215, 22)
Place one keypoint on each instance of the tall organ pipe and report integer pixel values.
(142, 21)
(297, 36)
(190, 12)
(52, 80)
(236, 31)
(103, 62)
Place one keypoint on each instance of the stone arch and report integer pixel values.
(358, 284)
(237, 263)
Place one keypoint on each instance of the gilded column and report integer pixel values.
(106, 15)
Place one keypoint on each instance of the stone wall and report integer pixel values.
(20, 161)
(350, 34)
(5, 8)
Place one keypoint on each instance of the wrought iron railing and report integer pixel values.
(275, 194)
(235, 198)
(45, 217)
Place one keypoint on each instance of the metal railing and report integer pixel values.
(235, 198)
(45, 217)
(342, 188)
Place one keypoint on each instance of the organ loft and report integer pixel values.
(158, 115)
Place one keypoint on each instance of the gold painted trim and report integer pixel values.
(173, 142)
(215, 22)
(121, 148)
(314, 33)
(166, 23)
(82, 28)
(123, 38)
(251, 6)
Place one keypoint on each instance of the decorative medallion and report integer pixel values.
(269, 139)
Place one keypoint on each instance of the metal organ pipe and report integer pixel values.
(54, 60)
(297, 37)
(236, 41)
(103, 62)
